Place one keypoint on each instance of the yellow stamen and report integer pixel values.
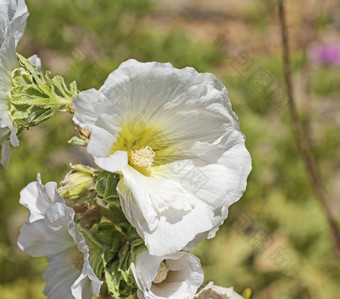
(142, 157)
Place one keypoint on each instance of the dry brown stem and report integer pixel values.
(300, 137)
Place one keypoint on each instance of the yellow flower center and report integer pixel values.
(145, 143)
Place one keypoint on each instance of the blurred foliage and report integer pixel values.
(276, 240)
(326, 80)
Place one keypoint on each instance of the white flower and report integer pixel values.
(13, 16)
(50, 231)
(173, 137)
(174, 276)
(211, 291)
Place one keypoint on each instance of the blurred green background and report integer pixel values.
(276, 240)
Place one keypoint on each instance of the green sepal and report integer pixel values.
(106, 233)
(106, 187)
(110, 194)
(96, 251)
(78, 141)
(118, 274)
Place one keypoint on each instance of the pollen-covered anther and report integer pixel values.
(142, 157)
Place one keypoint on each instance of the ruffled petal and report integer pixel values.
(13, 16)
(35, 59)
(182, 280)
(37, 198)
(160, 208)
(38, 239)
(60, 275)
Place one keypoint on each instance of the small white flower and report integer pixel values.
(13, 16)
(173, 276)
(172, 136)
(211, 291)
(50, 231)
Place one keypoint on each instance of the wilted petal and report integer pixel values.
(38, 239)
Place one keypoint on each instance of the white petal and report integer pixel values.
(5, 153)
(38, 239)
(13, 137)
(13, 15)
(183, 279)
(187, 104)
(160, 208)
(213, 291)
(172, 236)
(81, 289)
(100, 142)
(60, 275)
(115, 162)
(87, 104)
(8, 61)
(87, 284)
(37, 198)
(35, 59)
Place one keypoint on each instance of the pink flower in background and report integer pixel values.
(325, 54)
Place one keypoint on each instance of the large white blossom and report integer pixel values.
(50, 231)
(13, 16)
(211, 291)
(173, 276)
(172, 136)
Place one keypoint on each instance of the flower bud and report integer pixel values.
(77, 182)
(35, 97)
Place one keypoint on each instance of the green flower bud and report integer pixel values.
(77, 182)
(35, 97)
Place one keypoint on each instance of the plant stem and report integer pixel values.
(299, 135)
